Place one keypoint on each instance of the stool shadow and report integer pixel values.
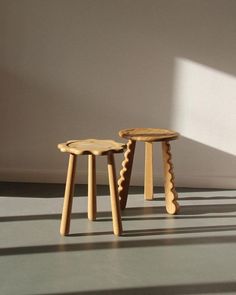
(180, 230)
(184, 289)
(141, 213)
(45, 190)
(162, 231)
(184, 210)
(213, 211)
(118, 243)
(184, 198)
(87, 234)
(56, 190)
(207, 198)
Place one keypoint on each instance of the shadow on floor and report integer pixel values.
(56, 190)
(141, 213)
(185, 289)
(122, 243)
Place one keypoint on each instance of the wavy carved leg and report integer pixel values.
(171, 195)
(125, 174)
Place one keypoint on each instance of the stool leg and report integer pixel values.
(115, 205)
(92, 204)
(148, 178)
(171, 195)
(68, 198)
(125, 174)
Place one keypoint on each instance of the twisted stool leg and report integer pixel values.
(92, 202)
(125, 174)
(171, 195)
(115, 205)
(68, 198)
(148, 178)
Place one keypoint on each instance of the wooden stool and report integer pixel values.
(92, 148)
(149, 135)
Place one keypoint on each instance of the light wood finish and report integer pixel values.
(91, 146)
(171, 195)
(148, 177)
(125, 173)
(68, 198)
(115, 206)
(92, 202)
(148, 134)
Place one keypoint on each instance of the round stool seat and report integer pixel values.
(95, 147)
(148, 134)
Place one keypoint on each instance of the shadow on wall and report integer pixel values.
(199, 165)
(203, 99)
(37, 117)
(185, 289)
(196, 164)
(89, 69)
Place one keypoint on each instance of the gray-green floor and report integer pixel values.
(190, 253)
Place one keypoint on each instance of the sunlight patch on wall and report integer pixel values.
(204, 105)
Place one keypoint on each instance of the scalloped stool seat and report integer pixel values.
(92, 148)
(148, 136)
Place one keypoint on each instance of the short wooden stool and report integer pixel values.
(92, 148)
(149, 135)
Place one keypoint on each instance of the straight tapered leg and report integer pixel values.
(125, 173)
(171, 195)
(92, 204)
(115, 205)
(148, 177)
(68, 198)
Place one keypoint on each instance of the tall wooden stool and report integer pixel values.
(92, 148)
(149, 135)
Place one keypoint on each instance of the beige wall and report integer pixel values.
(85, 69)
